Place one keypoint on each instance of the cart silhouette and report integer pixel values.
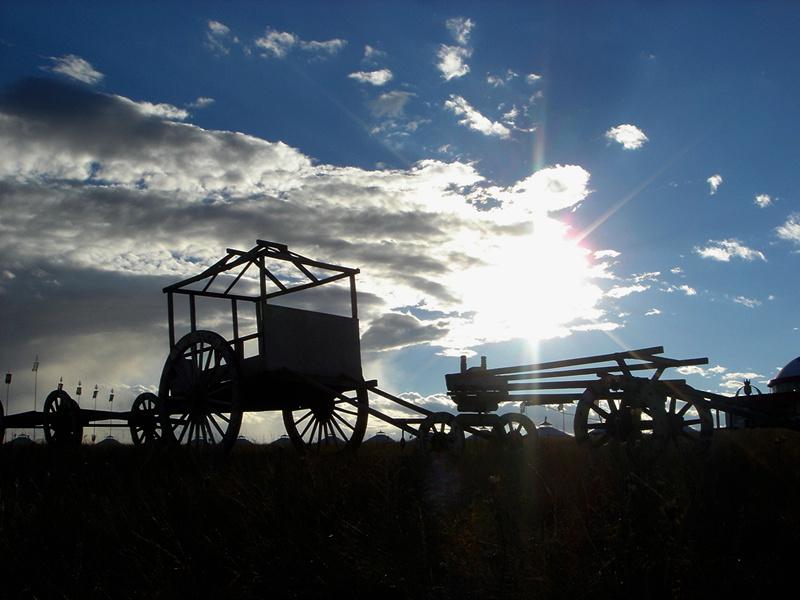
(253, 342)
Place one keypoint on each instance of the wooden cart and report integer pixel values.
(254, 339)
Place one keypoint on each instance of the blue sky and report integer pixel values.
(527, 181)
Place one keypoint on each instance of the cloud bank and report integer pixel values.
(106, 200)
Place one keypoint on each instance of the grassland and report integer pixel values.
(263, 522)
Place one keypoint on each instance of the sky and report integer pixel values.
(526, 181)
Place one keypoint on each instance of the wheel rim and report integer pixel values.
(636, 417)
(440, 433)
(690, 423)
(515, 431)
(62, 426)
(198, 397)
(143, 420)
(329, 422)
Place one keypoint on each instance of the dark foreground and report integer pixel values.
(122, 522)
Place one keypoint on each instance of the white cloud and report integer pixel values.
(686, 289)
(652, 312)
(499, 80)
(279, 43)
(390, 104)
(460, 27)
(790, 230)
(735, 381)
(452, 61)
(75, 68)
(725, 250)
(532, 78)
(702, 371)
(218, 29)
(620, 292)
(218, 37)
(474, 119)
(164, 111)
(329, 47)
(380, 77)
(201, 102)
(714, 182)
(763, 200)
(630, 136)
(748, 302)
(372, 54)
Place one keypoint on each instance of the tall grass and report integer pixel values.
(550, 522)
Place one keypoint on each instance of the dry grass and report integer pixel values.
(553, 522)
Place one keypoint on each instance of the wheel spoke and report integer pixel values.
(335, 417)
(303, 418)
(345, 411)
(184, 430)
(312, 423)
(602, 413)
(339, 429)
(213, 421)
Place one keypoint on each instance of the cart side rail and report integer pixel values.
(265, 272)
(554, 382)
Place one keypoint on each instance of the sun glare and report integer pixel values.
(531, 287)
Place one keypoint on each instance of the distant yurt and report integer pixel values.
(109, 440)
(788, 379)
(546, 429)
(379, 438)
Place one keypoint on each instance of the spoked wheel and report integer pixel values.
(329, 422)
(440, 433)
(635, 416)
(62, 420)
(691, 423)
(143, 421)
(198, 397)
(515, 431)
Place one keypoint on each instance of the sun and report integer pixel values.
(531, 286)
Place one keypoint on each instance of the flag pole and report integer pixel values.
(8, 387)
(35, 370)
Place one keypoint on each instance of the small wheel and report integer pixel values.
(440, 433)
(690, 423)
(635, 416)
(515, 431)
(143, 420)
(62, 420)
(329, 422)
(198, 397)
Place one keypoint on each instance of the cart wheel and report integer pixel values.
(329, 423)
(198, 397)
(440, 433)
(515, 431)
(62, 420)
(635, 416)
(143, 420)
(690, 422)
